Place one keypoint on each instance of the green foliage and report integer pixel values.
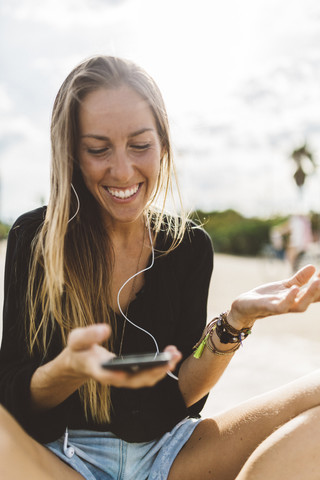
(234, 234)
(315, 224)
(4, 230)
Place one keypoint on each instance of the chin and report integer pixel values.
(123, 218)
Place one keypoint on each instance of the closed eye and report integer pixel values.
(145, 146)
(97, 151)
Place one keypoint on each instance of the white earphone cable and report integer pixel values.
(78, 204)
(125, 283)
(131, 278)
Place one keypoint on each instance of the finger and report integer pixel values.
(123, 379)
(310, 295)
(176, 356)
(108, 377)
(147, 378)
(287, 302)
(143, 378)
(302, 276)
(84, 338)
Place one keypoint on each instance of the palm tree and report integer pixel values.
(302, 155)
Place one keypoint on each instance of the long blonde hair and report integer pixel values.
(71, 266)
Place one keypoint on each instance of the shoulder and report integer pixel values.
(195, 244)
(25, 227)
(197, 236)
(29, 221)
(19, 243)
(30, 218)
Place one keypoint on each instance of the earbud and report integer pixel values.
(68, 451)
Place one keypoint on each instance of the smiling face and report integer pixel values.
(119, 152)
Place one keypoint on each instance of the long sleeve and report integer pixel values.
(16, 364)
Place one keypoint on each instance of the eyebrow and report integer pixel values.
(131, 135)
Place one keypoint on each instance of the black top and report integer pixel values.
(171, 306)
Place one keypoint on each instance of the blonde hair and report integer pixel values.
(71, 266)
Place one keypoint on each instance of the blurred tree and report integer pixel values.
(235, 234)
(305, 164)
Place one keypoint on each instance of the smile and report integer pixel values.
(123, 193)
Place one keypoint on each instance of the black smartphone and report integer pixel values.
(135, 363)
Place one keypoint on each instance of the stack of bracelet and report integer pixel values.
(226, 334)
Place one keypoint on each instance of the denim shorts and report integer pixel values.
(103, 456)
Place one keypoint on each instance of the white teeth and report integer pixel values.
(123, 193)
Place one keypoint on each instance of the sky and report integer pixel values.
(241, 81)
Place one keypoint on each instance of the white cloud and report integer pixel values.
(63, 13)
(5, 101)
(24, 176)
(241, 81)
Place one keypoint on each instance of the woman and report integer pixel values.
(101, 272)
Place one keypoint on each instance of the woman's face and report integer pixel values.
(119, 152)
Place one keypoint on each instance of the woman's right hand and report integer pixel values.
(86, 355)
(84, 351)
(81, 360)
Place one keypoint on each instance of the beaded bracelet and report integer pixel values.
(211, 346)
(226, 334)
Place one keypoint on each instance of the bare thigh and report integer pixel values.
(23, 457)
(219, 447)
(292, 451)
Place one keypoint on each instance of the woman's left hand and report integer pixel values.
(290, 295)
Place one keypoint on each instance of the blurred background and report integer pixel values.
(241, 81)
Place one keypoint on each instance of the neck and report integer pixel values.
(127, 234)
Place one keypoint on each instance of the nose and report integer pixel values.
(121, 167)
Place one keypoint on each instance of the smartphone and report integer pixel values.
(135, 363)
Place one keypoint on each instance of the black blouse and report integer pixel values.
(172, 306)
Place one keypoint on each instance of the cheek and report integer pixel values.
(154, 172)
(155, 165)
(86, 178)
(90, 171)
